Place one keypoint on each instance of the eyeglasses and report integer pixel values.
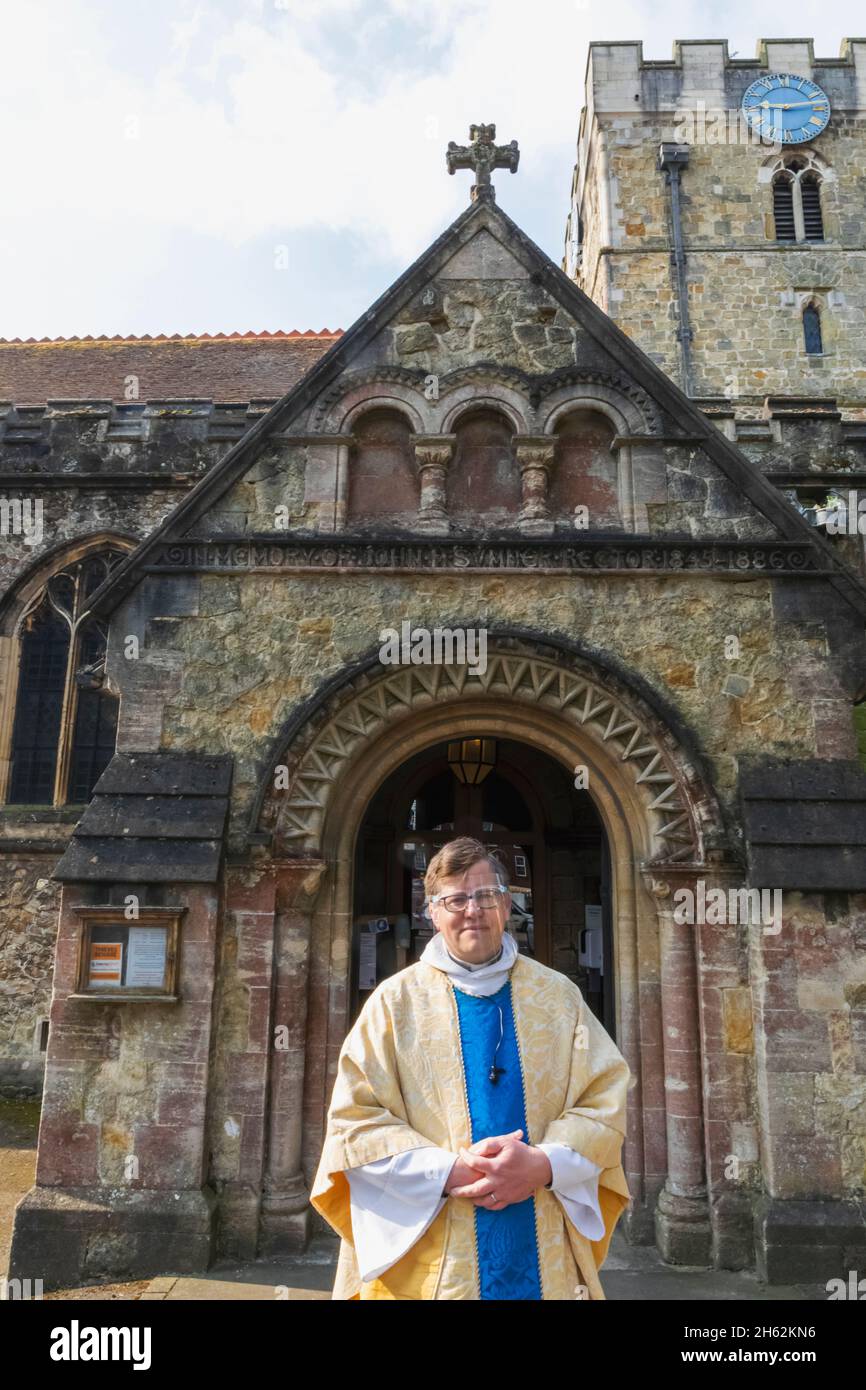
(458, 902)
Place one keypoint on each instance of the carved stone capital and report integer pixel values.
(433, 454)
(434, 451)
(660, 889)
(534, 451)
(301, 880)
(534, 456)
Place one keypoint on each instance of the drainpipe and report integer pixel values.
(673, 158)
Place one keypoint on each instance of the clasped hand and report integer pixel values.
(502, 1165)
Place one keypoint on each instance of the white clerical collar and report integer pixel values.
(474, 979)
(476, 964)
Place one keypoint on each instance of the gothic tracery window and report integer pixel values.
(65, 720)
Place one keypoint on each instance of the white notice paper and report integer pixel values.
(368, 960)
(145, 963)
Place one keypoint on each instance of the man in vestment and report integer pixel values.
(476, 1124)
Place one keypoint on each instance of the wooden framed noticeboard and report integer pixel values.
(128, 958)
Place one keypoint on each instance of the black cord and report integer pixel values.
(495, 1072)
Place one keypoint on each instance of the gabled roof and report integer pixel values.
(739, 470)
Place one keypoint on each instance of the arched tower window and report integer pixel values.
(65, 724)
(783, 207)
(813, 222)
(797, 203)
(812, 330)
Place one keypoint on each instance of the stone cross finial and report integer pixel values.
(482, 155)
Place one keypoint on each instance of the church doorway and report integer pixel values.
(516, 800)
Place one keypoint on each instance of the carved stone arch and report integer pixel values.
(564, 401)
(663, 827)
(389, 388)
(382, 399)
(486, 374)
(675, 815)
(487, 384)
(491, 396)
(621, 399)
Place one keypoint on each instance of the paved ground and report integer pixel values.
(630, 1273)
(19, 1125)
(633, 1274)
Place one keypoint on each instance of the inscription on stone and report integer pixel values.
(461, 557)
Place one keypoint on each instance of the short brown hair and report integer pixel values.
(458, 856)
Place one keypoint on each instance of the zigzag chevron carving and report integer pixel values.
(371, 702)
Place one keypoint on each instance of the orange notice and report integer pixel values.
(106, 962)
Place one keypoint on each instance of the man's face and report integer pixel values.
(475, 934)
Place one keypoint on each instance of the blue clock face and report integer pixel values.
(786, 109)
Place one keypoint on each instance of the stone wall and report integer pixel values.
(28, 927)
(97, 469)
(226, 675)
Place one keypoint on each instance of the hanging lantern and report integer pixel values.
(470, 759)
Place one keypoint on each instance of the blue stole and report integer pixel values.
(505, 1240)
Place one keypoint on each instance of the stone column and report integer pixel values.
(341, 503)
(683, 1233)
(285, 1208)
(535, 459)
(433, 454)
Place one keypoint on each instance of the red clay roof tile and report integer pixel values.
(234, 367)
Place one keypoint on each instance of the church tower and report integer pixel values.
(717, 217)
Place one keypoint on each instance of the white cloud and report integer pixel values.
(253, 119)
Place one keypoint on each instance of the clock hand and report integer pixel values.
(787, 105)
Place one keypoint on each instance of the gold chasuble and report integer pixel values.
(401, 1085)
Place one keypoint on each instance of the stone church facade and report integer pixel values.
(217, 790)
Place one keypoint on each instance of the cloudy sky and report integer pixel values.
(180, 166)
